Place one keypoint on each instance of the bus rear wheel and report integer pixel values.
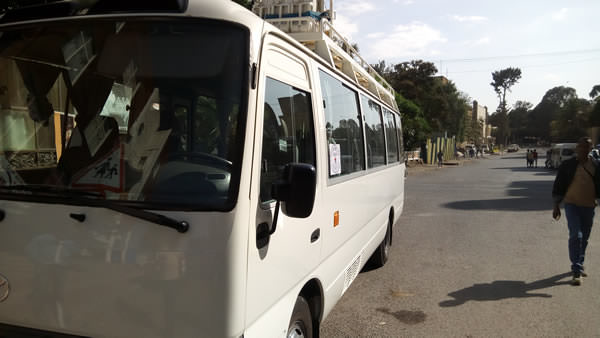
(381, 255)
(301, 323)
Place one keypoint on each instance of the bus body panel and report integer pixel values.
(114, 275)
(275, 271)
(363, 203)
(363, 224)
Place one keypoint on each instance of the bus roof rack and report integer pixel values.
(307, 22)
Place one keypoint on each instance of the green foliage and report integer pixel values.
(548, 110)
(595, 91)
(595, 114)
(518, 121)
(441, 104)
(502, 132)
(415, 128)
(572, 120)
(382, 69)
(502, 81)
(413, 79)
(472, 129)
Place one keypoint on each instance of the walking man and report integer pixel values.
(535, 154)
(577, 184)
(440, 158)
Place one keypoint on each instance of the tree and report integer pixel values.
(382, 69)
(500, 120)
(595, 91)
(502, 81)
(246, 3)
(595, 110)
(415, 128)
(548, 110)
(571, 121)
(413, 79)
(518, 121)
(439, 99)
(346, 49)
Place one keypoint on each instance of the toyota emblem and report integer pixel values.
(4, 288)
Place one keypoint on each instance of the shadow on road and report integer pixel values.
(503, 289)
(512, 156)
(540, 171)
(531, 196)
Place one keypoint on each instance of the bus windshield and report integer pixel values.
(144, 112)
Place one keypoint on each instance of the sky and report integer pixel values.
(554, 43)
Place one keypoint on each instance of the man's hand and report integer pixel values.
(556, 212)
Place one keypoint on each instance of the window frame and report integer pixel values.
(395, 128)
(359, 120)
(310, 100)
(333, 180)
(381, 121)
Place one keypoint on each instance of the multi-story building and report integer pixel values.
(480, 113)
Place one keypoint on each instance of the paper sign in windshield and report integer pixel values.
(335, 166)
(96, 133)
(105, 174)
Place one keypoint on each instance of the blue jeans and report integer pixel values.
(579, 220)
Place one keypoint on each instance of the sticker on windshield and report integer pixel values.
(105, 174)
(8, 176)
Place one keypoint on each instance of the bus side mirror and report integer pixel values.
(296, 189)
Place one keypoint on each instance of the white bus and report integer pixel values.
(185, 169)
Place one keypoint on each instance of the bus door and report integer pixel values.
(285, 133)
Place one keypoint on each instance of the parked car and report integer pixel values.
(512, 148)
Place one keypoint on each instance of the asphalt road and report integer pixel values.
(476, 254)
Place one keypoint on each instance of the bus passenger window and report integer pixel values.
(400, 139)
(343, 123)
(373, 133)
(391, 137)
(288, 132)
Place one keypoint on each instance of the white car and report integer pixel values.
(513, 148)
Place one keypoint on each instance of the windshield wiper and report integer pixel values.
(181, 226)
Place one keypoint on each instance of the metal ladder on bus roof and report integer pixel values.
(307, 22)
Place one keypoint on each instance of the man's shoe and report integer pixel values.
(576, 278)
(583, 274)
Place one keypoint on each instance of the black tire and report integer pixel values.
(301, 322)
(381, 255)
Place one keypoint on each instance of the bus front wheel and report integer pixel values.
(301, 322)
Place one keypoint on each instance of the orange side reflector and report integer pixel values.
(336, 218)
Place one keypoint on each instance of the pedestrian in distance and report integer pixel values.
(535, 156)
(548, 158)
(527, 158)
(530, 159)
(577, 186)
(440, 158)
